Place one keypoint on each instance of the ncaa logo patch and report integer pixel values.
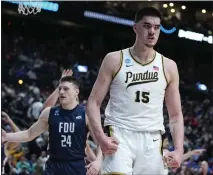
(127, 61)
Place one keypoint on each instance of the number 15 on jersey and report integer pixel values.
(142, 97)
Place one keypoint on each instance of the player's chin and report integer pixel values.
(63, 101)
(150, 44)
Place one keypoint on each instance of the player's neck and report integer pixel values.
(70, 106)
(142, 52)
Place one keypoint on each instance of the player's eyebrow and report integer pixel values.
(147, 23)
(63, 87)
(157, 25)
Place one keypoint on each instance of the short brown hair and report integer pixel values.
(71, 79)
(147, 11)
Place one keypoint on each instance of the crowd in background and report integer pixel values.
(31, 68)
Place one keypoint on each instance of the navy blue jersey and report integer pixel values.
(67, 133)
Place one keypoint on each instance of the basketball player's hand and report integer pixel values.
(5, 117)
(109, 145)
(173, 159)
(67, 72)
(93, 168)
(3, 136)
(198, 151)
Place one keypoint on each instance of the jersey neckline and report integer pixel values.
(70, 110)
(140, 62)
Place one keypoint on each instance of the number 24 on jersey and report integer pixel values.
(66, 141)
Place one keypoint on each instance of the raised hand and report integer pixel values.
(198, 151)
(5, 117)
(67, 72)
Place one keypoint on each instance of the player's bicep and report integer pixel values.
(172, 95)
(41, 125)
(102, 83)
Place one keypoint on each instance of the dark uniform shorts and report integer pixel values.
(65, 168)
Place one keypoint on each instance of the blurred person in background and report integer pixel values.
(23, 166)
(42, 160)
(35, 109)
(34, 164)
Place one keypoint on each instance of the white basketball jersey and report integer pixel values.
(137, 95)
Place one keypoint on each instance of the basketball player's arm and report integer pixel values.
(99, 155)
(51, 100)
(89, 153)
(35, 130)
(173, 103)
(99, 91)
(94, 157)
(189, 154)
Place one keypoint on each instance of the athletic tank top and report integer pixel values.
(137, 95)
(67, 133)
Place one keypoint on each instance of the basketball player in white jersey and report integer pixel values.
(138, 78)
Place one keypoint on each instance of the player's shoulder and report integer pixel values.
(54, 109)
(114, 54)
(113, 57)
(170, 68)
(47, 109)
(169, 64)
(112, 61)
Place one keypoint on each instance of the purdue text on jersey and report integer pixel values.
(140, 78)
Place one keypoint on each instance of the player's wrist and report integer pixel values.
(191, 153)
(179, 150)
(100, 137)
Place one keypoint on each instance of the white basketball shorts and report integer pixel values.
(139, 153)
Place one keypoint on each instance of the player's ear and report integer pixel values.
(77, 91)
(134, 28)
